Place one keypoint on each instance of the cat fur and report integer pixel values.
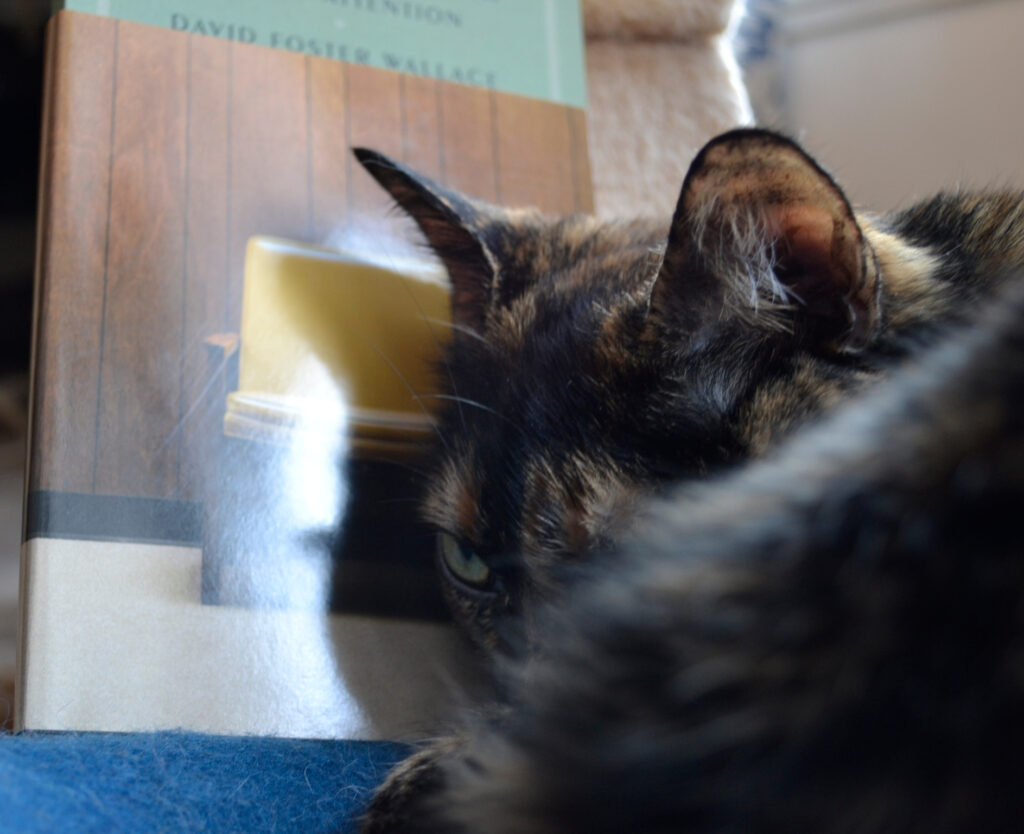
(747, 486)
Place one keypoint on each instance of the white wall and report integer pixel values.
(899, 105)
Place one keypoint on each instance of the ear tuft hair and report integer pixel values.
(764, 232)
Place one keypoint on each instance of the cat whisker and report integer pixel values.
(460, 328)
(405, 382)
(200, 401)
(475, 404)
(437, 342)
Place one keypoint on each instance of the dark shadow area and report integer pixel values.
(21, 85)
(377, 561)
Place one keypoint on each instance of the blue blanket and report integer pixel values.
(83, 782)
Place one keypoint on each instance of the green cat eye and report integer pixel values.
(463, 563)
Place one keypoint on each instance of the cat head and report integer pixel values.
(593, 363)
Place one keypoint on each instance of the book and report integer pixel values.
(164, 153)
(529, 47)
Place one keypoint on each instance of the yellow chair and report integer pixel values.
(332, 341)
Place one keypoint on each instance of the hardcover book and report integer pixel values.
(231, 383)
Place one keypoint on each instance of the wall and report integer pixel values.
(901, 98)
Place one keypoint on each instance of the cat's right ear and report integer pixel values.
(454, 226)
(763, 232)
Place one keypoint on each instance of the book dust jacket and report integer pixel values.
(233, 335)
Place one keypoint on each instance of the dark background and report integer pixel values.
(21, 69)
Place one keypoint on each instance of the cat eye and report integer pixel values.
(463, 563)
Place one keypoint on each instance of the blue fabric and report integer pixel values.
(72, 782)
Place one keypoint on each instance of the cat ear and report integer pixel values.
(454, 227)
(761, 229)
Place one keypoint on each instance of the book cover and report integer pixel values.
(174, 563)
(529, 47)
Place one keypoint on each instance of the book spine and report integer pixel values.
(52, 81)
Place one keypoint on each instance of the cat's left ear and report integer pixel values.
(761, 230)
(455, 227)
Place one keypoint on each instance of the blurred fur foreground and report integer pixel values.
(830, 641)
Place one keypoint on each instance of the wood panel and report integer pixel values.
(136, 450)
(164, 152)
(468, 148)
(533, 144)
(579, 161)
(375, 121)
(329, 156)
(206, 260)
(268, 172)
(71, 259)
(421, 135)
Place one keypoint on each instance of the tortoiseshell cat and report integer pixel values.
(706, 629)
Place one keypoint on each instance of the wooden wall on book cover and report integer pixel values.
(163, 152)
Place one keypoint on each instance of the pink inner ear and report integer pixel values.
(820, 259)
(808, 237)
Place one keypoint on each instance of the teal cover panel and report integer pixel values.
(529, 47)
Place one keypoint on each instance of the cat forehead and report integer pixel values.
(560, 345)
(530, 240)
(551, 274)
(530, 250)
